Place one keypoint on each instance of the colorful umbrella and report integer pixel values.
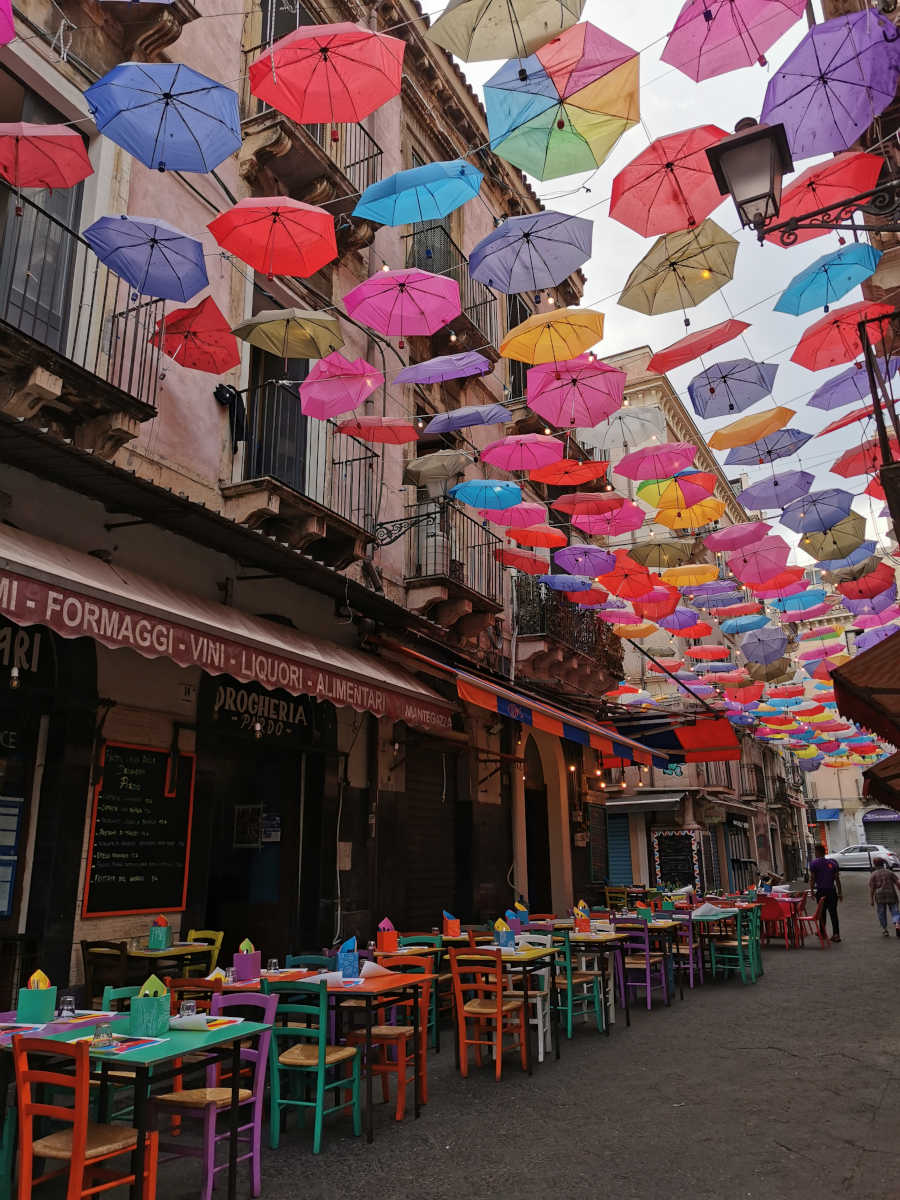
(708, 653)
(670, 185)
(198, 338)
(531, 564)
(531, 252)
(659, 602)
(633, 427)
(554, 336)
(691, 574)
(777, 445)
(827, 183)
(625, 519)
(168, 116)
(680, 619)
(698, 515)
(426, 193)
(752, 428)
(828, 278)
(694, 344)
(480, 30)
(643, 630)
(764, 645)
(759, 562)
(661, 555)
(434, 471)
(864, 459)
(519, 515)
(335, 386)
(785, 583)
(42, 156)
(562, 109)
(323, 73)
(855, 560)
(487, 494)
(569, 472)
(584, 560)
(404, 303)
(538, 535)
(154, 257)
(591, 503)
(711, 37)
(841, 539)
(292, 332)
(627, 578)
(830, 90)
(523, 451)
(778, 490)
(449, 366)
(565, 583)
(276, 235)
(858, 414)
(678, 491)
(657, 462)
(389, 431)
(581, 391)
(734, 625)
(700, 629)
(736, 536)
(739, 610)
(850, 387)
(680, 270)
(731, 386)
(590, 598)
(467, 417)
(781, 668)
(817, 511)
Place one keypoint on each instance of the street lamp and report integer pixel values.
(749, 165)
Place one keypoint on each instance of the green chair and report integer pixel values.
(315, 961)
(7, 1153)
(668, 906)
(301, 1061)
(443, 978)
(113, 995)
(755, 923)
(737, 953)
(578, 990)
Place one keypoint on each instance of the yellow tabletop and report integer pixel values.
(416, 951)
(176, 950)
(598, 937)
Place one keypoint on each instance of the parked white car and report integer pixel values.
(861, 857)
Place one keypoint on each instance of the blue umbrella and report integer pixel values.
(739, 718)
(744, 624)
(848, 387)
(818, 511)
(828, 278)
(487, 493)
(778, 490)
(566, 583)
(463, 418)
(801, 600)
(154, 257)
(535, 251)
(718, 668)
(723, 601)
(166, 115)
(731, 386)
(853, 559)
(777, 445)
(425, 193)
(764, 645)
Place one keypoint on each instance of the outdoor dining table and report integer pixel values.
(601, 942)
(164, 1059)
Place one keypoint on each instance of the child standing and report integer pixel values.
(884, 888)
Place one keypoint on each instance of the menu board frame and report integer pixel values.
(176, 763)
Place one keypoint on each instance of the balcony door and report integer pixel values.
(277, 430)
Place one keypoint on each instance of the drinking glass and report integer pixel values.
(103, 1036)
(188, 1008)
(272, 966)
(66, 1006)
(229, 974)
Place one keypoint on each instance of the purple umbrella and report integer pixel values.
(681, 618)
(154, 257)
(448, 366)
(566, 583)
(715, 587)
(585, 559)
(717, 668)
(532, 252)
(865, 640)
(764, 645)
(873, 604)
(777, 491)
(731, 386)
(818, 511)
(777, 445)
(810, 764)
(711, 37)
(463, 418)
(723, 601)
(841, 76)
(849, 387)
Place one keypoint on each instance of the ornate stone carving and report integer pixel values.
(106, 434)
(23, 395)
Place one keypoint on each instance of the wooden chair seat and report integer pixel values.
(354, 1003)
(640, 960)
(392, 1031)
(200, 1097)
(562, 980)
(488, 1008)
(445, 977)
(732, 943)
(308, 1056)
(101, 1139)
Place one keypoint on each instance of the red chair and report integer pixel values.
(479, 996)
(84, 1145)
(811, 923)
(776, 921)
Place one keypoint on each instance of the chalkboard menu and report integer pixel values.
(140, 832)
(674, 858)
(597, 816)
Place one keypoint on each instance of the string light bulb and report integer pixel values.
(386, 267)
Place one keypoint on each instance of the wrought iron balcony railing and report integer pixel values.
(448, 544)
(433, 249)
(543, 612)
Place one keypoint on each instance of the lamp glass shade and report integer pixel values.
(750, 166)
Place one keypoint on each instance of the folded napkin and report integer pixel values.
(712, 910)
(368, 969)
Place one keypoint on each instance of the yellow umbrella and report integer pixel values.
(691, 574)
(806, 752)
(292, 332)
(695, 517)
(635, 631)
(554, 336)
(680, 270)
(750, 429)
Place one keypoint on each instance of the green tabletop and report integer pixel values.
(175, 1044)
(723, 914)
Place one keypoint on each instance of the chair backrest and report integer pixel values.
(264, 1007)
(686, 923)
(293, 961)
(104, 962)
(213, 938)
(421, 939)
(637, 933)
(411, 964)
(616, 897)
(32, 1074)
(542, 916)
(113, 995)
(301, 1016)
(200, 990)
(477, 975)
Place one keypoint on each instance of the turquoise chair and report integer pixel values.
(112, 996)
(445, 978)
(579, 991)
(315, 961)
(301, 1061)
(737, 953)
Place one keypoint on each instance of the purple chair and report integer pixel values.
(207, 1102)
(690, 948)
(649, 966)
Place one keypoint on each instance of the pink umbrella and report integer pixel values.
(874, 620)
(587, 503)
(711, 37)
(578, 391)
(405, 303)
(657, 462)
(523, 451)
(804, 614)
(624, 519)
(736, 536)
(621, 616)
(759, 562)
(335, 386)
(518, 516)
(766, 592)
(392, 431)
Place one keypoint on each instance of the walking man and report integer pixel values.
(884, 888)
(825, 880)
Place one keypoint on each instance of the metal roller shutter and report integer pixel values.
(618, 840)
(430, 862)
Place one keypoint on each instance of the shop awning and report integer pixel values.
(828, 814)
(882, 780)
(867, 689)
(710, 738)
(667, 803)
(77, 595)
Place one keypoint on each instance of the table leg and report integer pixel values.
(141, 1114)
(417, 1050)
(103, 1097)
(525, 978)
(621, 954)
(678, 971)
(370, 1125)
(604, 999)
(235, 1115)
(554, 1006)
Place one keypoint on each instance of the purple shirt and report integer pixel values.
(823, 873)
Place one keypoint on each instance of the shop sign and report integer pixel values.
(26, 656)
(249, 711)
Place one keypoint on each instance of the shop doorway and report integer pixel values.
(537, 832)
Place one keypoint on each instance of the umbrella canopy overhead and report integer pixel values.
(532, 252)
(405, 303)
(778, 490)
(335, 386)
(856, 559)
(276, 235)
(817, 511)
(776, 445)
(519, 515)
(828, 278)
(433, 471)
(198, 338)
(627, 579)
(735, 625)
(736, 536)
(386, 431)
(564, 333)
(487, 494)
(154, 257)
(42, 156)
(678, 491)
(670, 185)
(696, 516)
(691, 575)
(324, 73)
(468, 416)
(584, 560)
(523, 451)
(426, 193)
(581, 391)
(828, 183)
(731, 386)
(657, 555)
(752, 428)
(849, 387)
(167, 115)
(522, 560)
(759, 562)
(764, 645)
(680, 619)
(830, 90)
(562, 109)
(712, 37)
(538, 535)
(692, 345)
(481, 30)
(843, 538)
(449, 366)
(570, 472)
(858, 414)
(631, 428)
(864, 459)
(624, 519)
(593, 503)
(292, 332)
(680, 270)
(657, 462)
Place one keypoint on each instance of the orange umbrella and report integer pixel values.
(750, 429)
(700, 630)
(691, 574)
(531, 564)
(704, 512)
(568, 472)
(538, 535)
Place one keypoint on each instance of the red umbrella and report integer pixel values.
(392, 431)
(788, 582)
(664, 664)
(700, 630)
(42, 156)
(870, 585)
(276, 235)
(670, 185)
(198, 337)
(746, 694)
(858, 414)
(874, 488)
(568, 472)
(531, 564)
(695, 344)
(708, 653)
(587, 503)
(864, 459)
(834, 338)
(322, 73)
(628, 579)
(591, 596)
(653, 607)
(538, 535)
(738, 610)
(787, 691)
(828, 183)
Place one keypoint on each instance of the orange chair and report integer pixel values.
(478, 995)
(84, 1145)
(399, 1038)
(201, 990)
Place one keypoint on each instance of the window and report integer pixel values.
(281, 17)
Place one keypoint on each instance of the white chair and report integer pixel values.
(539, 991)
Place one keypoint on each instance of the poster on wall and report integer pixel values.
(676, 859)
(248, 826)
